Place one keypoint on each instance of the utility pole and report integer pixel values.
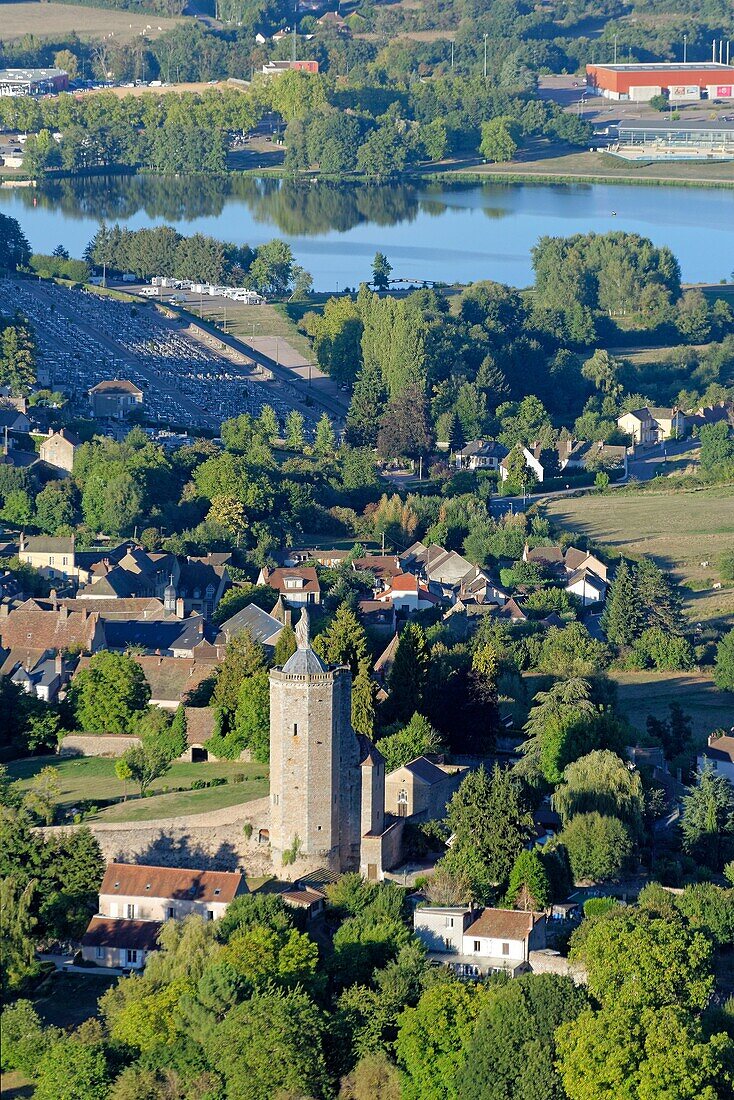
(615, 49)
(685, 48)
(452, 53)
(485, 56)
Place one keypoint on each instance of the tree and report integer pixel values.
(142, 765)
(601, 782)
(294, 436)
(639, 959)
(110, 694)
(408, 676)
(405, 430)
(432, 1037)
(17, 946)
(511, 1053)
(717, 448)
(285, 646)
(70, 1069)
(603, 370)
(273, 1041)
(598, 846)
(43, 794)
(622, 618)
(271, 272)
(67, 61)
(374, 1075)
(630, 1055)
(416, 739)
(324, 439)
(562, 725)
(500, 137)
(17, 356)
(243, 659)
(344, 642)
(381, 271)
(251, 727)
(490, 825)
(368, 397)
(529, 887)
(24, 1038)
(708, 818)
(724, 663)
(15, 251)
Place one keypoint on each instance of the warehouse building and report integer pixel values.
(679, 83)
(17, 82)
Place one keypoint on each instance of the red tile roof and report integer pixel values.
(139, 880)
(307, 573)
(504, 924)
(135, 935)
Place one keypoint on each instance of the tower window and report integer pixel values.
(295, 729)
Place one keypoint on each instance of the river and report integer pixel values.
(449, 232)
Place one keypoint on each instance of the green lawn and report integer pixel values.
(189, 802)
(267, 320)
(13, 1086)
(91, 778)
(643, 693)
(679, 529)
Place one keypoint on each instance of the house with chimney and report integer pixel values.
(115, 399)
(480, 454)
(135, 900)
(297, 586)
(652, 424)
(52, 556)
(58, 449)
(478, 942)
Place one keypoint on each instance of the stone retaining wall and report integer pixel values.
(96, 744)
(210, 841)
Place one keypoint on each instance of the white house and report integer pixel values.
(532, 463)
(587, 586)
(408, 594)
(480, 454)
(135, 899)
(719, 753)
(477, 942)
(502, 939)
(652, 425)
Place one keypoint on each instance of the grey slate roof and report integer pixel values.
(261, 626)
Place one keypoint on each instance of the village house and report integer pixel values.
(171, 679)
(532, 459)
(719, 754)
(115, 399)
(476, 942)
(58, 450)
(44, 677)
(261, 626)
(11, 420)
(407, 594)
(135, 900)
(480, 454)
(53, 557)
(652, 424)
(298, 587)
(711, 414)
(377, 615)
(421, 790)
(30, 633)
(587, 586)
(575, 455)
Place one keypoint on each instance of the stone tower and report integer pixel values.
(316, 795)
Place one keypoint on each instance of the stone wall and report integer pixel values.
(96, 744)
(210, 841)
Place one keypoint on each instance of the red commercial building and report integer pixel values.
(679, 83)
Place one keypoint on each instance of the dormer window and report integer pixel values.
(294, 582)
(217, 891)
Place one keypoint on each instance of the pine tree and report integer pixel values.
(363, 700)
(659, 597)
(363, 418)
(344, 642)
(409, 674)
(622, 620)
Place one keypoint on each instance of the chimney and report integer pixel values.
(58, 663)
(180, 612)
(53, 596)
(287, 616)
(63, 613)
(4, 609)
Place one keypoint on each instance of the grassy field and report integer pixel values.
(13, 1086)
(643, 693)
(680, 530)
(602, 166)
(190, 802)
(59, 20)
(263, 322)
(88, 778)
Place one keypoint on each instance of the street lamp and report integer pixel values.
(485, 56)
(685, 48)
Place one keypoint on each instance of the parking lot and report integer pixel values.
(188, 379)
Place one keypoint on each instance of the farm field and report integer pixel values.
(643, 693)
(90, 778)
(59, 20)
(680, 530)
